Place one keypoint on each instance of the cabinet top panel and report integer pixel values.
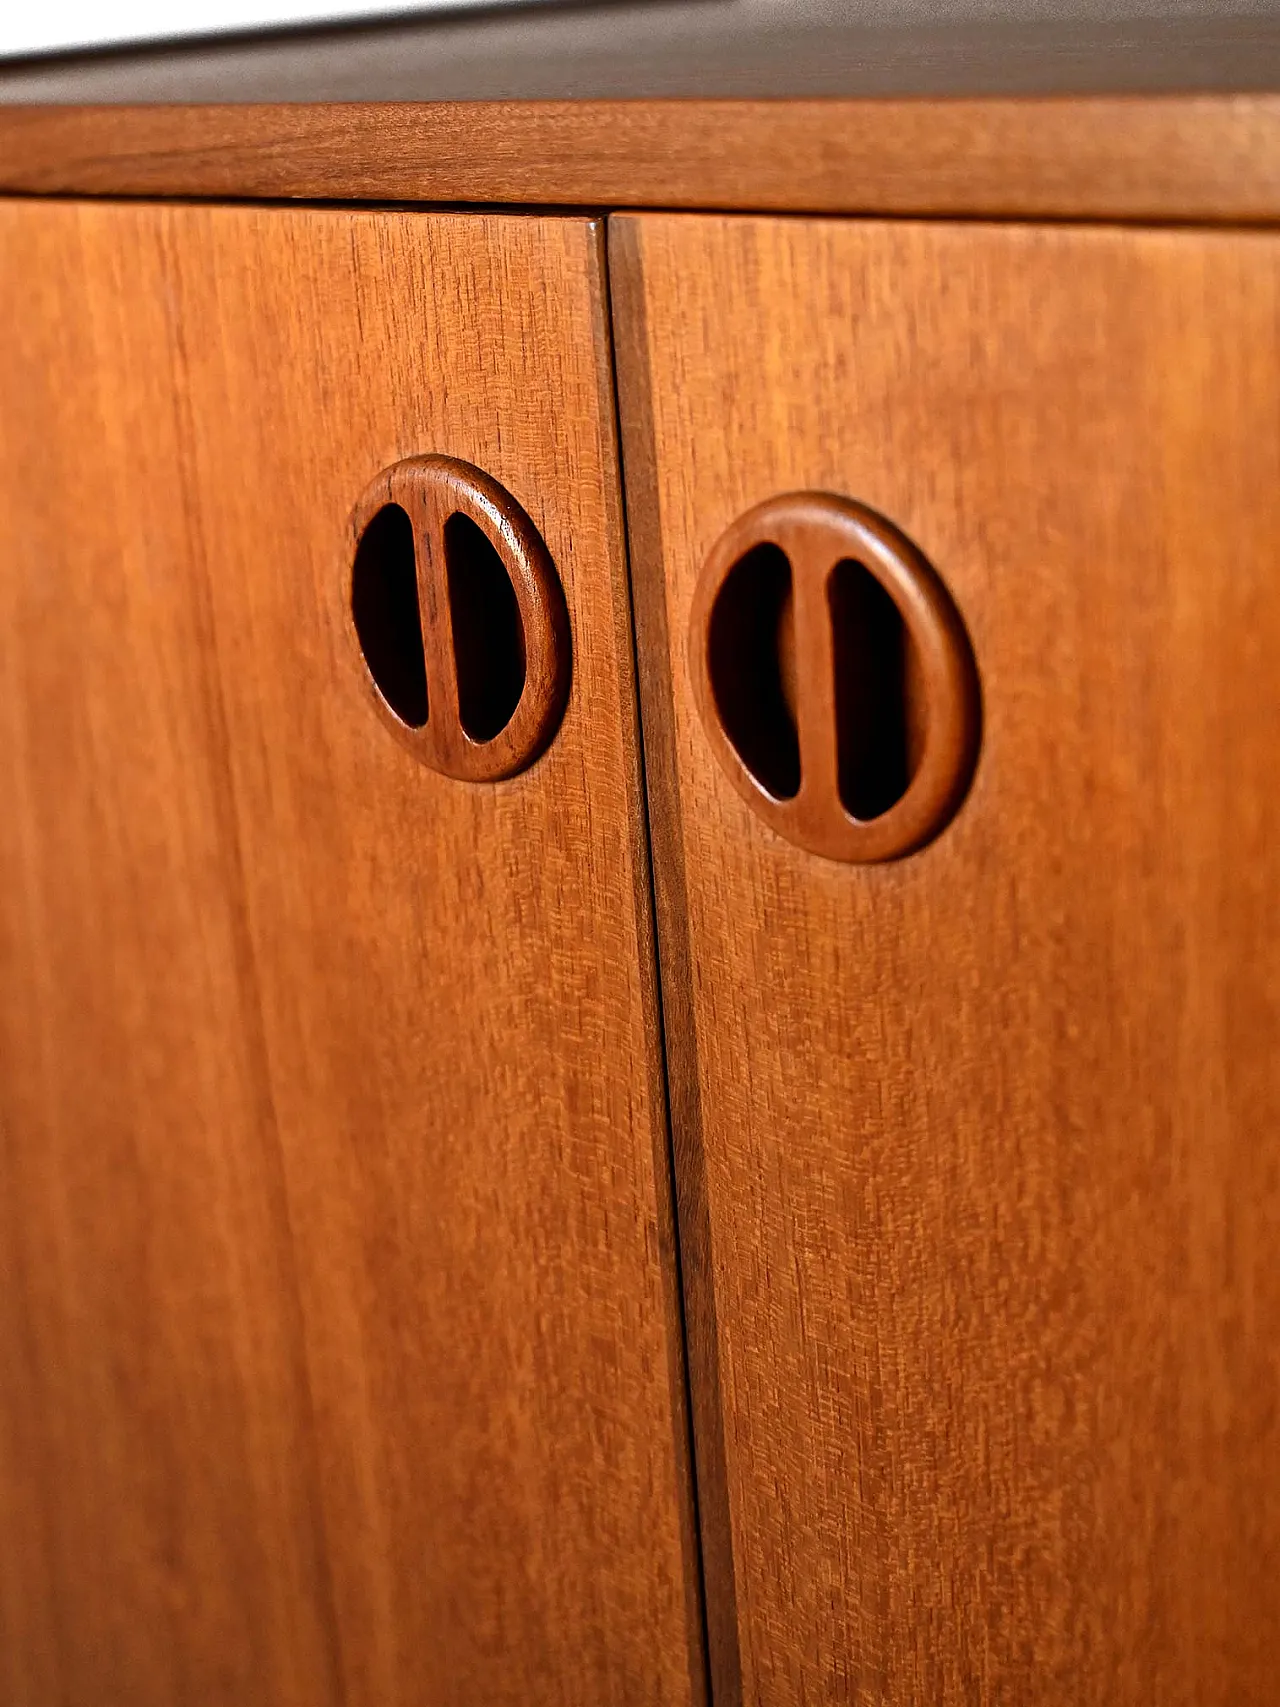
(1147, 158)
(610, 49)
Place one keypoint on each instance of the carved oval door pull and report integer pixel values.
(835, 678)
(459, 617)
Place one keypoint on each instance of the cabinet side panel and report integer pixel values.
(989, 1134)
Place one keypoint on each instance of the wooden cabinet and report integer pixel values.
(338, 1340)
(516, 1218)
(979, 1184)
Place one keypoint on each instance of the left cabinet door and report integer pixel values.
(337, 1349)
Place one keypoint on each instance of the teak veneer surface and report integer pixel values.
(1184, 157)
(336, 1350)
(978, 1153)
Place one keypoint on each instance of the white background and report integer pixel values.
(43, 26)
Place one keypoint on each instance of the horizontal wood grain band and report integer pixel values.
(1194, 158)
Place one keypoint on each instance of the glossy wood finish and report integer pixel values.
(431, 490)
(978, 1171)
(818, 533)
(1208, 157)
(337, 1355)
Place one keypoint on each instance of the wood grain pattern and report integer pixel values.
(1155, 157)
(336, 1348)
(986, 1150)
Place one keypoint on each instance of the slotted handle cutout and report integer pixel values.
(835, 678)
(384, 605)
(745, 657)
(458, 619)
(488, 634)
(871, 648)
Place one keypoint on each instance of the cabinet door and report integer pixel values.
(979, 1149)
(336, 1350)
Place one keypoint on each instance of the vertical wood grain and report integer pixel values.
(337, 1320)
(989, 1135)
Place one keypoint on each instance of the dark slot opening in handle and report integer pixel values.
(384, 604)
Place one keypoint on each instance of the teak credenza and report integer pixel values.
(639, 904)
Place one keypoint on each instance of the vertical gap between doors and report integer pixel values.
(659, 784)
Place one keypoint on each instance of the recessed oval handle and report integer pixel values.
(459, 618)
(835, 678)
